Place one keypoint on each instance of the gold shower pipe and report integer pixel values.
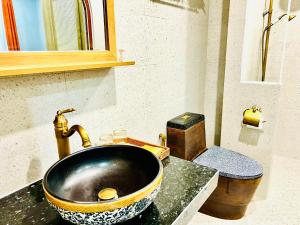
(265, 48)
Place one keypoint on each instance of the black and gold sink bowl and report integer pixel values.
(103, 185)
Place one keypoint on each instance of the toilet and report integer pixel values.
(239, 175)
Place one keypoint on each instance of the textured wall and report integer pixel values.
(215, 69)
(288, 138)
(252, 51)
(239, 96)
(280, 100)
(169, 46)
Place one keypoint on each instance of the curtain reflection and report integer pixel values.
(10, 25)
(66, 24)
(83, 44)
(49, 25)
(39, 25)
(88, 17)
(96, 8)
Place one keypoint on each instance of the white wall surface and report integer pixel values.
(238, 96)
(215, 69)
(280, 101)
(169, 46)
(287, 132)
(252, 47)
(251, 59)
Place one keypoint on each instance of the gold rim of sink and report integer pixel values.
(109, 205)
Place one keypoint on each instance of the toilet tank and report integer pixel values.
(186, 135)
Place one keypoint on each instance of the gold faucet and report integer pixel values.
(62, 133)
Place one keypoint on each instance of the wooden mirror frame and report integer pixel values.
(22, 63)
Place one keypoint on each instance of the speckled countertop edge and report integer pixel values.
(188, 213)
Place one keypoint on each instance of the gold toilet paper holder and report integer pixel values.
(253, 116)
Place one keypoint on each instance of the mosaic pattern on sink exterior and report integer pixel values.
(109, 217)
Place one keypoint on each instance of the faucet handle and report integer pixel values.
(60, 112)
(60, 120)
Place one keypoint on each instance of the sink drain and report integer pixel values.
(107, 194)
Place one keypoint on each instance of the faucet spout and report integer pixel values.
(82, 133)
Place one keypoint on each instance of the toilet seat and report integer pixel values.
(230, 164)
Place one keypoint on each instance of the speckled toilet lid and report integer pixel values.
(230, 164)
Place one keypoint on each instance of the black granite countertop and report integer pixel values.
(182, 182)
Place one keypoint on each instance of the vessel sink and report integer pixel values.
(103, 185)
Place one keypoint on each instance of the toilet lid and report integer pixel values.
(230, 164)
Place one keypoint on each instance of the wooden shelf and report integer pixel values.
(45, 68)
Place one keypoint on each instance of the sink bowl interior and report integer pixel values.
(80, 177)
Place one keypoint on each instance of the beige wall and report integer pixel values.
(215, 69)
(239, 96)
(251, 58)
(169, 46)
(252, 51)
(279, 96)
(288, 138)
(279, 101)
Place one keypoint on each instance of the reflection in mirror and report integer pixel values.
(52, 25)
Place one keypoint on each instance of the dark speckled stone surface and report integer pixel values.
(182, 182)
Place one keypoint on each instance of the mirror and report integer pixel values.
(53, 25)
(83, 39)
